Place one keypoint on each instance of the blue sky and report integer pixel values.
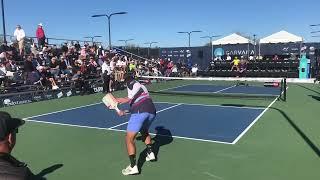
(151, 20)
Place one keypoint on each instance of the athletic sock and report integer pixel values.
(149, 148)
(132, 160)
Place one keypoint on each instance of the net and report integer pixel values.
(218, 87)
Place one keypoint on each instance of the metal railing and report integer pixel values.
(49, 40)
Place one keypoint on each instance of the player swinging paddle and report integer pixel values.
(143, 113)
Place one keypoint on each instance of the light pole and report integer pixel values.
(109, 24)
(210, 42)
(125, 41)
(150, 44)
(3, 24)
(189, 34)
(92, 37)
(254, 45)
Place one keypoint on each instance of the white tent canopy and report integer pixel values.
(231, 39)
(281, 37)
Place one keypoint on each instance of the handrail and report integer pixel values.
(57, 39)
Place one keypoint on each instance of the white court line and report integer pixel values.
(234, 142)
(255, 120)
(173, 87)
(213, 105)
(64, 124)
(225, 89)
(119, 130)
(62, 110)
(157, 112)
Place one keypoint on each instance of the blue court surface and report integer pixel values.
(212, 123)
(204, 88)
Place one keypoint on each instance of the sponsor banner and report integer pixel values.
(24, 98)
(16, 100)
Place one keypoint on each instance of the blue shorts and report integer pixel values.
(140, 122)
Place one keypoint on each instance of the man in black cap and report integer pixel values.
(10, 168)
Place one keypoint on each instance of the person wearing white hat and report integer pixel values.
(40, 35)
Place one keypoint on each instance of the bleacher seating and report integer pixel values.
(258, 68)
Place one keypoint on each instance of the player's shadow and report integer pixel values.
(163, 137)
(44, 172)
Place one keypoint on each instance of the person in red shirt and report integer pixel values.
(40, 35)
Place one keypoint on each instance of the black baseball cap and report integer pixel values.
(128, 77)
(8, 124)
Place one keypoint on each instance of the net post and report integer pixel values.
(281, 90)
(285, 89)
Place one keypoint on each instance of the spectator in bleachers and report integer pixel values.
(242, 67)
(77, 46)
(47, 79)
(64, 47)
(42, 61)
(92, 66)
(34, 49)
(174, 71)
(106, 76)
(194, 70)
(228, 57)
(19, 34)
(11, 66)
(40, 35)
(3, 75)
(65, 67)
(54, 67)
(29, 71)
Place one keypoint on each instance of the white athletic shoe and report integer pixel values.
(150, 157)
(130, 170)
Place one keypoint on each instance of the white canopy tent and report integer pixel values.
(231, 39)
(281, 37)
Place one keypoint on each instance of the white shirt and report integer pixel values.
(174, 70)
(19, 34)
(228, 58)
(135, 89)
(194, 69)
(105, 67)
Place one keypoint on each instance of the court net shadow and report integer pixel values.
(308, 88)
(313, 146)
(292, 123)
(163, 137)
(44, 172)
(315, 97)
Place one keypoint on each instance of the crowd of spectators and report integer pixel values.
(50, 66)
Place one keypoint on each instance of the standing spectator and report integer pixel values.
(235, 64)
(19, 34)
(106, 76)
(10, 167)
(40, 35)
(29, 70)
